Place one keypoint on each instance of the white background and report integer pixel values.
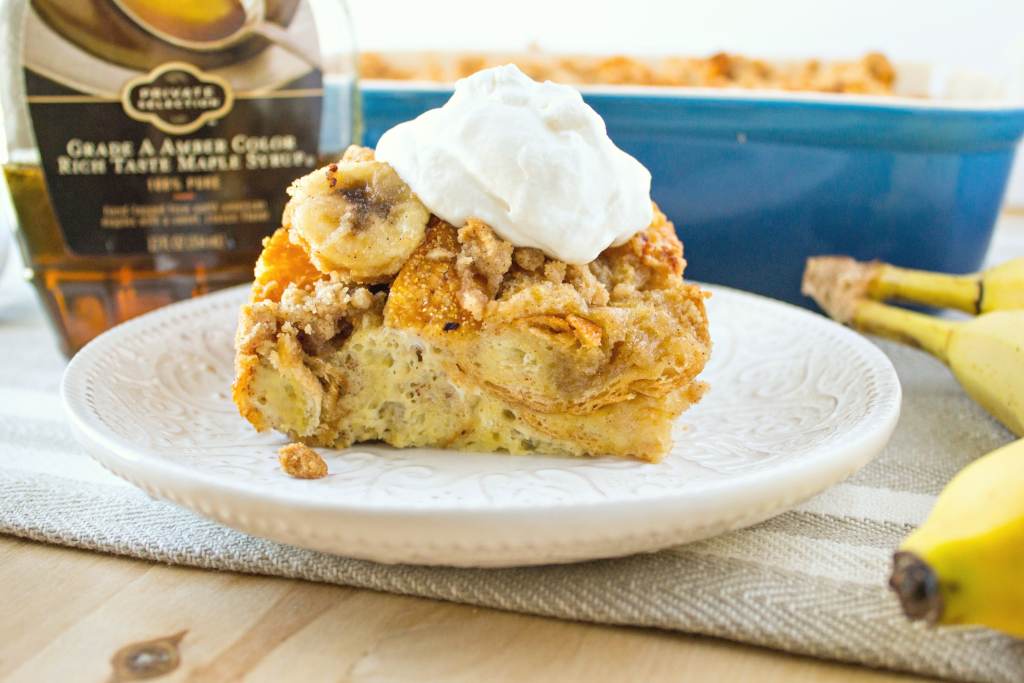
(981, 35)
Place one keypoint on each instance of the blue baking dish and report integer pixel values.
(757, 182)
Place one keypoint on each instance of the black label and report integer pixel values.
(175, 159)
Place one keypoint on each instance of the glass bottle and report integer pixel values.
(148, 143)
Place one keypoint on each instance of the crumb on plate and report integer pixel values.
(302, 462)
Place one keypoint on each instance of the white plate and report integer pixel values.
(797, 403)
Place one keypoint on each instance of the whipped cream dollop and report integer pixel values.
(530, 159)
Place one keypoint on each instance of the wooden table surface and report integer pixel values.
(66, 613)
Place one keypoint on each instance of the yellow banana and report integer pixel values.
(965, 564)
(996, 289)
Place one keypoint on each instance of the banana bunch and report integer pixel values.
(985, 353)
(965, 564)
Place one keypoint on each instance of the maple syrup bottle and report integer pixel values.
(148, 143)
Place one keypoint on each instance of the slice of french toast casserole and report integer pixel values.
(371, 319)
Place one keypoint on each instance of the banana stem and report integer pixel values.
(962, 292)
(917, 329)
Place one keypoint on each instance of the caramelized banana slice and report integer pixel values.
(356, 218)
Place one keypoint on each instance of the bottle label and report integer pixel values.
(172, 127)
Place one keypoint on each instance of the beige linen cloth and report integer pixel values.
(811, 581)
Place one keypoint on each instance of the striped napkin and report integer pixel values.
(810, 581)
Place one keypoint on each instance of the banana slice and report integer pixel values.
(356, 218)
